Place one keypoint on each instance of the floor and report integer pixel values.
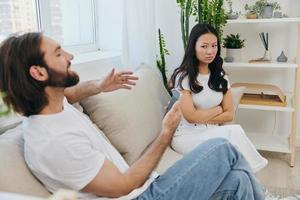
(278, 176)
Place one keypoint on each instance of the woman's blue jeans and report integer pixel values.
(214, 170)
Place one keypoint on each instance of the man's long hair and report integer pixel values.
(190, 63)
(23, 93)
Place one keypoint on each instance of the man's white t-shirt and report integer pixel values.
(65, 150)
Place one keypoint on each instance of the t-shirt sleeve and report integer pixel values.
(71, 160)
(184, 83)
(228, 82)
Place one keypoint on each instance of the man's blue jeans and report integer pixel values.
(214, 170)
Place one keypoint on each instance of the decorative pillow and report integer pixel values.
(14, 175)
(131, 119)
(237, 93)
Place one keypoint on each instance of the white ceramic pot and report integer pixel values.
(236, 54)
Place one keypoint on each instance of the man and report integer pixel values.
(64, 150)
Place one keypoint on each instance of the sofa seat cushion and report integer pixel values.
(131, 119)
(14, 175)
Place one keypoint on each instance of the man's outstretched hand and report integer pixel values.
(117, 80)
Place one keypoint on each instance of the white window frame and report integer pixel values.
(43, 20)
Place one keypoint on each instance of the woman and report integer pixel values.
(206, 100)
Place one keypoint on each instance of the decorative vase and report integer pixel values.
(234, 53)
(267, 12)
(267, 55)
(232, 15)
(282, 58)
(229, 59)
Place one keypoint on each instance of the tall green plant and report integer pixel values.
(161, 62)
(213, 13)
(187, 8)
(4, 110)
(207, 11)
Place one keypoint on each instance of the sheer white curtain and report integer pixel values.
(139, 33)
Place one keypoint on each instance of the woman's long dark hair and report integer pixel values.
(190, 63)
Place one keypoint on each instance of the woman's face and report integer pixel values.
(206, 48)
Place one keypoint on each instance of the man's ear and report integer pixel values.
(38, 73)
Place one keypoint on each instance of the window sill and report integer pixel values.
(94, 56)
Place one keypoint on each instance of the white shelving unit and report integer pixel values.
(271, 20)
(270, 142)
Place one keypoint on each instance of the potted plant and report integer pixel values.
(262, 8)
(251, 11)
(230, 14)
(233, 44)
(268, 8)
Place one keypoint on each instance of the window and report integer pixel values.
(70, 22)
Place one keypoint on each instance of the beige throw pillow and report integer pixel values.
(131, 119)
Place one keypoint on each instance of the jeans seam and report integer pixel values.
(189, 169)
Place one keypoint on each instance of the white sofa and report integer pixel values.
(129, 119)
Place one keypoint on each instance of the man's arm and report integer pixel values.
(113, 81)
(110, 182)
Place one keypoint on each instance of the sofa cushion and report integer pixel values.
(14, 175)
(131, 119)
(237, 93)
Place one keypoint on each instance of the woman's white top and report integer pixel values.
(205, 99)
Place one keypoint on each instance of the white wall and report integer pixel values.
(282, 37)
(110, 18)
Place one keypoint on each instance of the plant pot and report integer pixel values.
(232, 16)
(277, 14)
(267, 12)
(251, 16)
(236, 54)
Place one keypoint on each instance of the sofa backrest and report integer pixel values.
(131, 119)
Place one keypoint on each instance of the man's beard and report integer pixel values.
(59, 79)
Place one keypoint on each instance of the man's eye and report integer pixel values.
(204, 46)
(57, 55)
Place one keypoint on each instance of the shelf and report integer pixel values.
(265, 142)
(260, 65)
(271, 20)
(269, 108)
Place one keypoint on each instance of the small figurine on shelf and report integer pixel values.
(282, 58)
